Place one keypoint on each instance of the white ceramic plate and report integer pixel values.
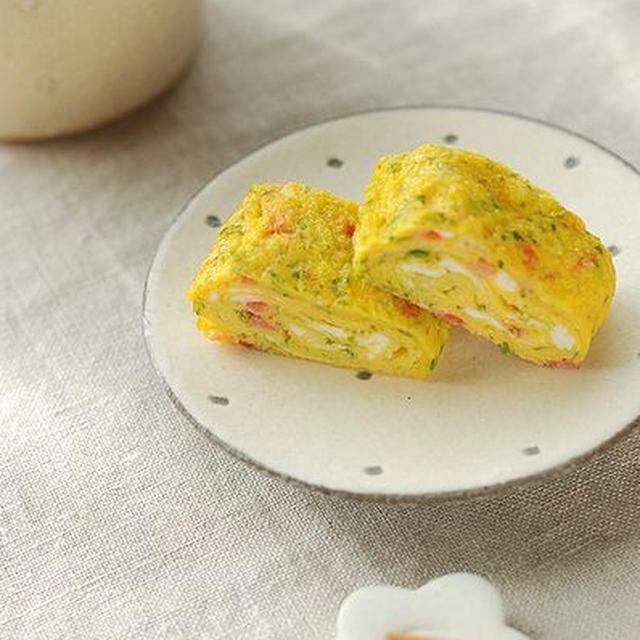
(486, 419)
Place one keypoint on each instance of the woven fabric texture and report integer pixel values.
(117, 518)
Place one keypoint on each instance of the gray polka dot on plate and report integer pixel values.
(571, 162)
(374, 470)
(533, 450)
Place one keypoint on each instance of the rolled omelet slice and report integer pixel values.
(480, 246)
(279, 279)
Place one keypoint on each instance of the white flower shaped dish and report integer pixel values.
(458, 606)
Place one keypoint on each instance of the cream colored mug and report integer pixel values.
(71, 65)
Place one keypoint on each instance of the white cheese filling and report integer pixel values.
(375, 342)
(336, 332)
(561, 338)
(455, 267)
(482, 315)
(505, 281)
(245, 297)
(294, 328)
(416, 267)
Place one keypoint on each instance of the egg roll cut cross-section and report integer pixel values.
(279, 279)
(480, 246)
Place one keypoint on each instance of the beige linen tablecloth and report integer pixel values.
(117, 518)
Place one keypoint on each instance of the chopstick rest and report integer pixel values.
(458, 606)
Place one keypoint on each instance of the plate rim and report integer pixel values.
(432, 497)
